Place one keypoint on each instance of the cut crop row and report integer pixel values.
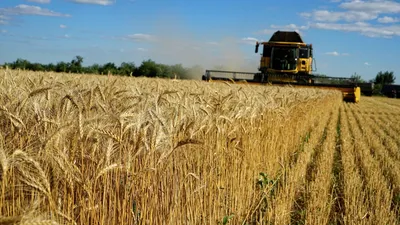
(377, 193)
(290, 200)
(378, 143)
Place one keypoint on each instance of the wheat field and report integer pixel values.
(87, 149)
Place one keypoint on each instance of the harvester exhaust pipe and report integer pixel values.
(257, 44)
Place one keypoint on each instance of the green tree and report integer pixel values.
(149, 68)
(61, 67)
(93, 69)
(50, 67)
(20, 64)
(35, 67)
(357, 78)
(108, 68)
(7, 65)
(164, 70)
(178, 70)
(381, 79)
(384, 78)
(76, 64)
(126, 68)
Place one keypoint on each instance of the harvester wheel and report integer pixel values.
(260, 77)
(302, 81)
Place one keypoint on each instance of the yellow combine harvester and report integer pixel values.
(287, 60)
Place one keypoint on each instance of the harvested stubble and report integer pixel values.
(377, 165)
(83, 149)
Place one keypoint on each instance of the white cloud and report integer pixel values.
(350, 16)
(335, 53)
(377, 6)
(361, 16)
(267, 31)
(367, 64)
(363, 28)
(141, 37)
(249, 40)
(95, 2)
(387, 19)
(65, 36)
(3, 31)
(40, 1)
(355, 10)
(23, 9)
(273, 28)
(62, 26)
(3, 19)
(305, 14)
(290, 27)
(142, 49)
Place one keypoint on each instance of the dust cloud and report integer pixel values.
(178, 43)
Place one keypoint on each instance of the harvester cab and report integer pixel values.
(286, 54)
(287, 59)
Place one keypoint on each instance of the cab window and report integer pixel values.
(304, 53)
(267, 51)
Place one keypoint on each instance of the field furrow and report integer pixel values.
(377, 192)
(303, 194)
(323, 178)
(354, 186)
(384, 106)
(380, 149)
(390, 101)
(288, 204)
(338, 209)
(386, 135)
(390, 126)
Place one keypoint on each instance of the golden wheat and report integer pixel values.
(87, 149)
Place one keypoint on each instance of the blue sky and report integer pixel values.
(348, 36)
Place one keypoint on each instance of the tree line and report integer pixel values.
(381, 77)
(148, 68)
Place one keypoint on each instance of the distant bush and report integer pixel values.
(147, 68)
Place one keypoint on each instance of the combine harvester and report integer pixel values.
(287, 60)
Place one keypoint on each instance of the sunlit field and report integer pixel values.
(87, 149)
